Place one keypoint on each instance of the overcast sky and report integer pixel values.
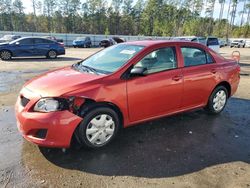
(28, 9)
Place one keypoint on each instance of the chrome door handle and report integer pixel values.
(213, 71)
(177, 78)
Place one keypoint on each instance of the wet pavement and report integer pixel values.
(167, 147)
(192, 149)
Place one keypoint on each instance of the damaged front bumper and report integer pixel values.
(53, 129)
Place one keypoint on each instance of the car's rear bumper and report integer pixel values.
(61, 52)
(53, 129)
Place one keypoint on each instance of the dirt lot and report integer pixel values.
(187, 150)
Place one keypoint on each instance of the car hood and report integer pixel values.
(58, 82)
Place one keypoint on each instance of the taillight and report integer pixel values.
(238, 68)
(61, 44)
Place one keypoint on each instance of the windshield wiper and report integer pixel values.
(89, 68)
(85, 68)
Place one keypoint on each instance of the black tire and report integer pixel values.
(52, 54)
(5, 55)
(98, 111)
(210, 108)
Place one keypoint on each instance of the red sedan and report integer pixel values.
(121, 86)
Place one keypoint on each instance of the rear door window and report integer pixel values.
(42, 41)
(194, 56)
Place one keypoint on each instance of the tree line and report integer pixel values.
(128, 17)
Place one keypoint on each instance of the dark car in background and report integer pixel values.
(54, 38)
(82, 42)
(8, 38)
(31, 46)
(118, 39)
(112, 41)
(107, 42)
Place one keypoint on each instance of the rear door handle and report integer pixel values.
(177, 78)
(213, 71)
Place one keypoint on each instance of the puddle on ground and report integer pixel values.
(9, 80)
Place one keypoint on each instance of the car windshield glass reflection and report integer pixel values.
(110, 59)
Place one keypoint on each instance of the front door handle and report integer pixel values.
(177, 78)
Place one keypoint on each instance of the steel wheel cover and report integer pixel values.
(100, 129)
(219, 100)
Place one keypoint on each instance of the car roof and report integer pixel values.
(148, 43)
(34, 37)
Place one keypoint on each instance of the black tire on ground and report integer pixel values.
(52, 54)
(210, 108)
(5, 55)
(81, 131)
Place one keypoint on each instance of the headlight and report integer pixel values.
(50, 105)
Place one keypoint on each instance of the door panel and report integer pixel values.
(158, 92)
(24, 48)
(198, 83)
(41, 49)
(154, 95)
(42, 46)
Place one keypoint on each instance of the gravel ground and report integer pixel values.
(187, 150)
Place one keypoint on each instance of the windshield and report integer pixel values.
(111, 59)
(14, 41)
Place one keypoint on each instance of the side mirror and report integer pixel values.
(138, 71)
(17, 43)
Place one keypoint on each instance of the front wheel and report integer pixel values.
(217, 100)
(99, 127)
(5, 55)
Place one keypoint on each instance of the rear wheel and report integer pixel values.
(217, 100)
(5, 55)
(52, 54)
(99, 127)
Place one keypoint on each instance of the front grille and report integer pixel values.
(24, 101)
